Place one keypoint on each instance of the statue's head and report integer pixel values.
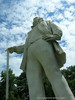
(36, 20)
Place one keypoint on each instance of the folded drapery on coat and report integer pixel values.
(59, 54)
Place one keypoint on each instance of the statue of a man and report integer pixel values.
(42, 54)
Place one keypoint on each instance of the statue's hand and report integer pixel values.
(52, 37)
(47, 38)
(11, 49)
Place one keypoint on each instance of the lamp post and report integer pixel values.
(7, 76)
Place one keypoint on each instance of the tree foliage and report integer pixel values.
(18, 88)
(2, 86)
(69, 74)
(22, 86)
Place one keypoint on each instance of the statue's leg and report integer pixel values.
(34, 78)
(45, 56)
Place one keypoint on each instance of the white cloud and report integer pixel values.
(3, 29)
(72, 28)
(14, 64)
(68, 15)
(71, 8)
(70, 1)
(2, 59)
(70, 54)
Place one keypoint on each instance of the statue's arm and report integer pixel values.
(17, 49)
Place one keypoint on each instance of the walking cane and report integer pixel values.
(7, 76)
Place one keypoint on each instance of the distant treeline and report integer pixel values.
(18, 88)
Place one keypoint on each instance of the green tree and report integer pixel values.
(18, 88)
(69, 74)
(12, 86)
(22, 86)
(2, 86)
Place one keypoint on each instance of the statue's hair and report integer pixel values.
(38, 18)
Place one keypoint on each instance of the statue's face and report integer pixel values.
(37, 20)
(40, 20)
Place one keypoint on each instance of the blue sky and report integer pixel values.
(16, 19)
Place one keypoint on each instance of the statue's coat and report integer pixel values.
(45, 28)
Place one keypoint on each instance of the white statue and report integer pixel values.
(42, 54)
